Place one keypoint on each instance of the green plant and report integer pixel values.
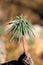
(21, 28)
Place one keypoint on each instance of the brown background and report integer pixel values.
(33, 10)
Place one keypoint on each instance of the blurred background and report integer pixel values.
(33, 10)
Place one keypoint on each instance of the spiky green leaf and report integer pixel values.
(21, 27)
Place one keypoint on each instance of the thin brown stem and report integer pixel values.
(23, 40)
(28, 57)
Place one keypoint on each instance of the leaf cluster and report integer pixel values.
(21, 27)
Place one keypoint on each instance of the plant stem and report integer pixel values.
(30, 61)
(23, 40)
